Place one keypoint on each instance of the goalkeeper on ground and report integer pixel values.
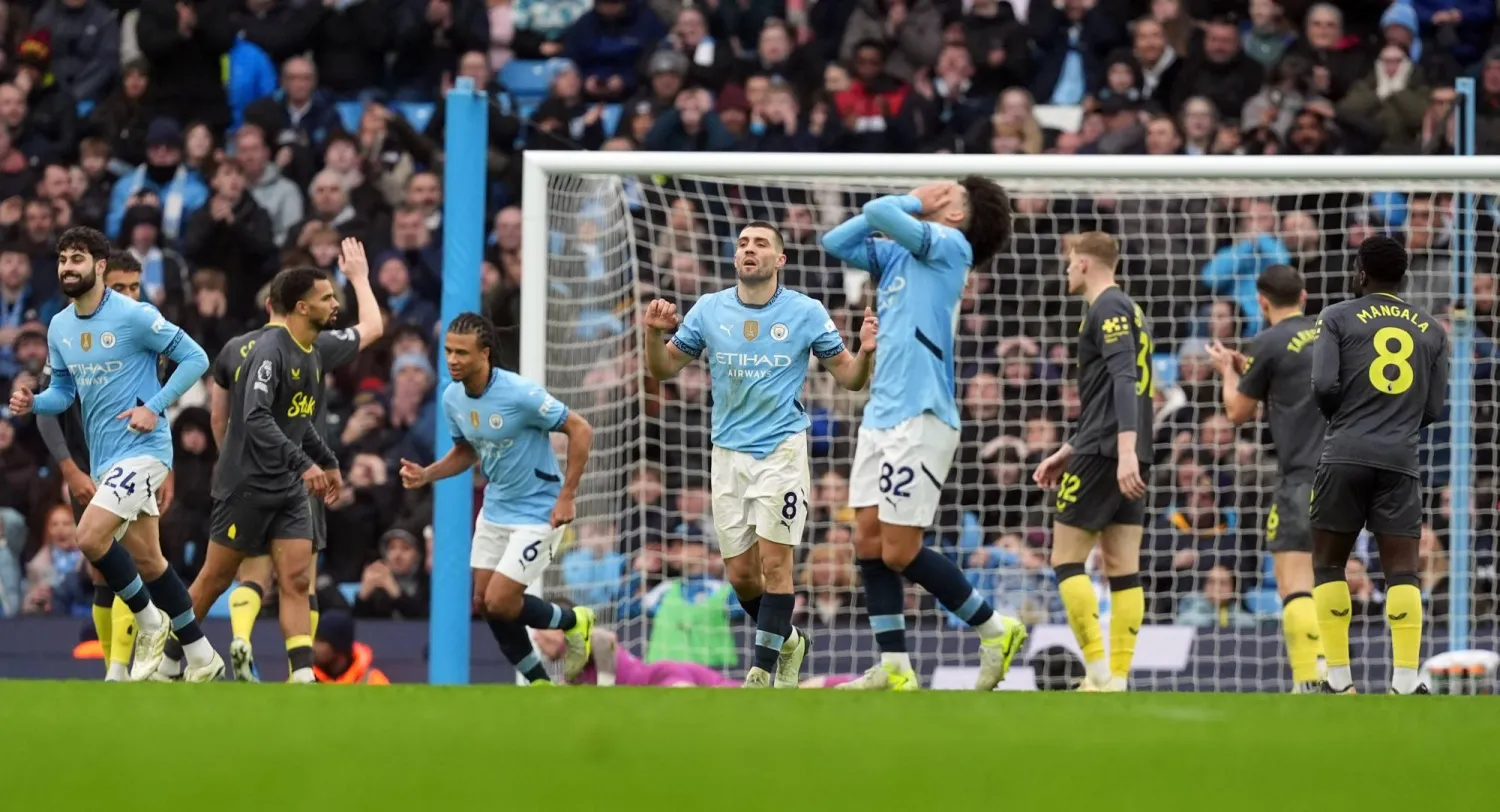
(756, 337)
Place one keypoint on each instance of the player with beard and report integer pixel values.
(103, 350)
(272, 458)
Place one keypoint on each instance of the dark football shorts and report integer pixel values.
(1348, 497)
(1089, 498)
(248, 523)
(1288, 529)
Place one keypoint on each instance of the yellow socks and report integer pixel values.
(1304, 639)
(1127, 611)
(1331, 596)
(1403, 611)
(244, 608)
(299, 655)
(104, 599)
(122, 633)
(1082, 607)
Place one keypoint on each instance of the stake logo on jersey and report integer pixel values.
(115, 376)
(757, 378)
(509, 425)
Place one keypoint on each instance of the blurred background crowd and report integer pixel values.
(221, 140)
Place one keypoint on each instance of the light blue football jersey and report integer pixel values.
(757, 360)
(109, 359)
(510, 425)
(921, 268)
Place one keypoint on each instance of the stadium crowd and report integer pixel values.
(221, 140)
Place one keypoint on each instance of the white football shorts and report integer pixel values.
(764, 498)
(520, 552)
(128, 488)
(902, 469)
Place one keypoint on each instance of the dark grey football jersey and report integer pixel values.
(273, 398)
(335, 349)
(1278, 373)
(1380, 373)
(1114, 377)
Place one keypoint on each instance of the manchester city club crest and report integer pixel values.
(778, 332)
(752, 329)
(107, 341)
(496, 421)
(86, 341)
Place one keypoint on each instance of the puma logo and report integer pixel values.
(1337, 613)
(1401, 616)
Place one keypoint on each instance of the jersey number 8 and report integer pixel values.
(1386, 357)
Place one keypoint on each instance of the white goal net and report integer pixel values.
(643, 552)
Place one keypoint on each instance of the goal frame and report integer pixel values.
(540, 166)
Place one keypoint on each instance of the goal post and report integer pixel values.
(603, 232)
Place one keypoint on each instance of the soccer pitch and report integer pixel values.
(230, 746)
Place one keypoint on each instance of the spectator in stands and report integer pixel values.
(1268, 35)
(278, 196)
(122, 118)
(406, 307)
(10, 569)
(84, 36)
(998, 47)
(501, 164)
(412, 241)
(1429, 272)
(1234, 269)
(541, 25)
(51, 110)
(870, 106)
(1160, 64)
(944, 107)
(184, 45)
(234, 234)
(666, 71)
(1338, 58)
(709, 62)
(1286, 93)
(691, 126)
(785, 128)
(1221, 72)
(1217, 604)
(608, 42)
(779, 57)
(591, 568)
(339, 659)
(296, 121)
(56, 582)
(178, 190)
(1187, 534)
(164, 272)
(1461, 27)
(826, 580)
(19, 305)
(567, 120)
(395, 586)
(1072, 43)
(1394, 97)
(429, 37)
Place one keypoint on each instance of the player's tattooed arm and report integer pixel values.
(1325, 366)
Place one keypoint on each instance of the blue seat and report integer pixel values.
(349, 114)
(1164, 368)
(525, 78)
(84, 108)
(611, 119)
(524, 109)
(417, 114)
(350, 591)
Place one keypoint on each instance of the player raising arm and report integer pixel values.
(1278, 373)
(1100, 475)
(272, 458)
(1379, 374)
(335, 349)
(505, 422)
(910, 429)
(103, 350)
(756, 337)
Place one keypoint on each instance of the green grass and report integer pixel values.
(280, 747)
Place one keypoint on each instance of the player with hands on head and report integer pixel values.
(932, 238)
